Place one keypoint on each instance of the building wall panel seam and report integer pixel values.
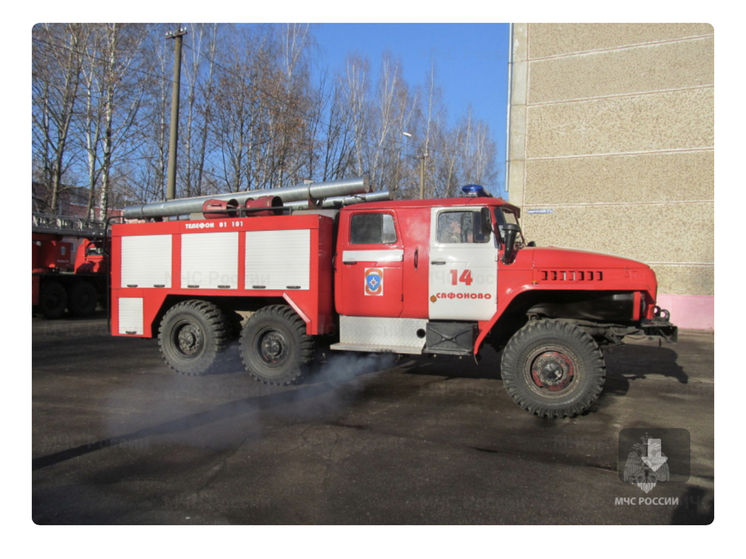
(618, 96)
(619, 153)
(621, 47)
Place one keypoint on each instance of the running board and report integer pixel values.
(381, 334)
(375, 349)
(405, 335)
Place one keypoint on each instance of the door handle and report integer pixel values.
(349, 263)
(438, 262)
(416, 258)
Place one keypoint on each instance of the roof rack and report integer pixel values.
(66, 225)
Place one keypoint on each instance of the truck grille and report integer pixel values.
(570, 275)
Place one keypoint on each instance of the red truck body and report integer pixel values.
(156, 262)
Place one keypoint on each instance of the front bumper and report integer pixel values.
(660, 327)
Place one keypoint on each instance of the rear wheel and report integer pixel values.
(553, 368)
(53, 299)
(192, 336)
(82, 299)
(275, 348)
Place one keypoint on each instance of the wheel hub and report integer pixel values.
(272, 347)
(189, 339)
(552, 370)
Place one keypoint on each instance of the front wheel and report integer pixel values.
(275, 348)
(553, 368)
(192, 337)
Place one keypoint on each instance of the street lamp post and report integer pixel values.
(422, 169)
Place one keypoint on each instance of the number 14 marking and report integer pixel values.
(465, 277)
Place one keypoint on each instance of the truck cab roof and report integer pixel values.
(432, 203)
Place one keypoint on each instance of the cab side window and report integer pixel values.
(372, 229)
(460, 227)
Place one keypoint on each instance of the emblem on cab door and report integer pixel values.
(373, 281)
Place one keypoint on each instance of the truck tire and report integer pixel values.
(192, 336)
(53, 299)
(552, 368)
(82, 298)
(274, 346)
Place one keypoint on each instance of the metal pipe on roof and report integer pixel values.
(300, 192)
(341, 201)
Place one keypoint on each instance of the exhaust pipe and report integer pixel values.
(301, 192)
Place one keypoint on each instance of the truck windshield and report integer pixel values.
(505, 215)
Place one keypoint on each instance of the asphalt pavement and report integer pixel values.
(118, 438)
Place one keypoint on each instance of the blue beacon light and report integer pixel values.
(473, 190)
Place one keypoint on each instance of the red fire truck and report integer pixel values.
(68, 267)
(407, 277)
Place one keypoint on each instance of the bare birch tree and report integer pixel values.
(255, 115)
(57, 66)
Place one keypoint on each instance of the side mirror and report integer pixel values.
(511, 231)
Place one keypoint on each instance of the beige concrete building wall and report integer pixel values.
(611, 148)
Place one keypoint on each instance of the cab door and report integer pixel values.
(368, 266)
(463, 265)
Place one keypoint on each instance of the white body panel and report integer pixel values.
(278, 259)
(146, 261)
(130, 315)
(392, 255)
(209, 260)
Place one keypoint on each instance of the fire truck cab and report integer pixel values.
(406, 277)
(417, 277)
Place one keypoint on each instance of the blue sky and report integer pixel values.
(471, 63)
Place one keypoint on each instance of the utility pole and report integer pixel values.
(174, 140)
